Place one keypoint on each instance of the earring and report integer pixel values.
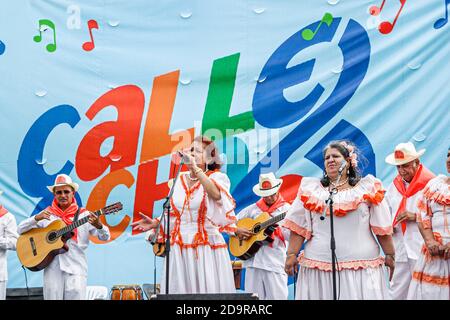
(348, 171)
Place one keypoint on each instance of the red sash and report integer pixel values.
(420, 180)
(3, 211)
(66, 215)
(265, 208)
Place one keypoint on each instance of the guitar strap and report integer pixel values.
(75, 218)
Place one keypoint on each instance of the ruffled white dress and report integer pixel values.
(199, 258)
(359, 213)
(431, 276)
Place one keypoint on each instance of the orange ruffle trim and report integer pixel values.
(431, 279)
(291, 225)
(436, 196)
(382, 231)
(313, 204)
(344, 265)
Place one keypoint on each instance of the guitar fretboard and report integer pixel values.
(273, 220)
(76, 224)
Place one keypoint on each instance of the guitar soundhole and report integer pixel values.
(51, 236)
(257, 228)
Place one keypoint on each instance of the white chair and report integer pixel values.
(96, 293)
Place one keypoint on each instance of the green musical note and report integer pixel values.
(308, 34)
(51, 47)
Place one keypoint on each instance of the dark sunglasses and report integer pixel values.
(59, 192)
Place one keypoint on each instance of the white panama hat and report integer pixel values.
(63, 180)
(268, 185)
(404, 153)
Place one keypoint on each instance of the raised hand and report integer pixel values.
(145, 224)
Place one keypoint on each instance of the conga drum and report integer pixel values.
(126, 292)
(237, 270)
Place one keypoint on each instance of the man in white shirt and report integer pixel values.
(402, 196)
(265, 273)
(65, 278)
(8, 240)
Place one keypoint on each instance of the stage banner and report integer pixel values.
(106, 91)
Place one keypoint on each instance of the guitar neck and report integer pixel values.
(273, 220)
(76, 224)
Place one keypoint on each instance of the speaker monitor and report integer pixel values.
(24, 294)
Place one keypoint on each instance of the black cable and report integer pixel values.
(26, 281)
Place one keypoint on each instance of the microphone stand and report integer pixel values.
(166, 209)
(330, 202)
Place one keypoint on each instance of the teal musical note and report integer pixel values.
(442, 21)
(308, 34)
(51, 47)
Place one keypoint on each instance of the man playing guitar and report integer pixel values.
(265, 273)
(65, 278)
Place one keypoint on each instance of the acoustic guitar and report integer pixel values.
(260, 227)
(37, 247)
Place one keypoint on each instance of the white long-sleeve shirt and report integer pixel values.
(270, 258)
(8, 240)
(406, 245)
(73, 261)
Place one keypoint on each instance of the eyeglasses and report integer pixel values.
(59, 192)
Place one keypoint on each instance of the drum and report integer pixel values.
(237, 271)
(126, 292)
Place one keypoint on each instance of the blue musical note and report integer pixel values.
(442, 21)
(2, 47)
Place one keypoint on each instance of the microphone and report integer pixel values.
(340, 170)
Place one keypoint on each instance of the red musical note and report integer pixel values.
(89, 45)
(386, 27)
(374, 10)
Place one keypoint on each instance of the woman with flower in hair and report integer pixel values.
(361, 217)
(202, 208)
(431, 275)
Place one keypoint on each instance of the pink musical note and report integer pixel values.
(386, 27)
(374, 10)
(89, 45)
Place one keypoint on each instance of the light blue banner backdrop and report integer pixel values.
(105, 91)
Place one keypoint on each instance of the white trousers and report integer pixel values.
(267, 284)
(401, 280)
(2, 290)
(59, 285)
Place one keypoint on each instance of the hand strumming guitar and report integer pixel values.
(243, 234)
(145, 224)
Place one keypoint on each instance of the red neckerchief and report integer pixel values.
(265, 208)
(66, 215)
(3, 211)
(420, 180)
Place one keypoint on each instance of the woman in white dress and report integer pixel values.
(202, 208)
(361, 217)
(431, 275)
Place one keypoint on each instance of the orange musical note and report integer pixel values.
(89, 45)
(51, 47)
(386, 27)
